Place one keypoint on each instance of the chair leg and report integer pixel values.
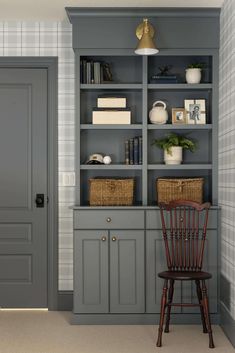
(207, 313)
(199, 295)
(170, 298)
(162, 314)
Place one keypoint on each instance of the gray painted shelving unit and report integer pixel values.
(109, 139)
(118, 251)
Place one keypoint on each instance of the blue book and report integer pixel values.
(131, 157)
(127, 152)
(140, 150)
(136, 150)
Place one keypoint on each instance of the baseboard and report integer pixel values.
(65, 300)
(137, 319)
(227, 323)
(65, 303)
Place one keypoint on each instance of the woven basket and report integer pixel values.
(111, 192)
(180, 189)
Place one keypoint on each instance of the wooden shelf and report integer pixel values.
(179, 127)
(110, 167)
(111, 127)
(111, 86)
(179, 166)
(180, 86)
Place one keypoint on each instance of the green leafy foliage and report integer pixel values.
(174, 140)
(196, 66)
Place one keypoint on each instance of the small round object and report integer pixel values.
(103, 238)
(108, 220)
(114, 238)
(107, 160)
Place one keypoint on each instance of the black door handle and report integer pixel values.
(39, 200)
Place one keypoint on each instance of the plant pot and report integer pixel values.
(193, 75)
(175, 157)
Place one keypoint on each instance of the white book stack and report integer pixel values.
(111, 110)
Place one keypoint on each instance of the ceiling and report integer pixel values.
(54, 9)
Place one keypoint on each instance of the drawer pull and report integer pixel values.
(108, 219)
(114, 238)
(103, 238)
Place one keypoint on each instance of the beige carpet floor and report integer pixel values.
(51, 332)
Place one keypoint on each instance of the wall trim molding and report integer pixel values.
(65, 300)
(138, 319)
(51, 65)
(74, 12)
(227, 323)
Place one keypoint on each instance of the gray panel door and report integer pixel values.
(127, 272)
(23, 161)
(91, 271)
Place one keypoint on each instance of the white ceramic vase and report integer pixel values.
(193, 75)
(175, 157)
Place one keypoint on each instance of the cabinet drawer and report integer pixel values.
(113, 219)
(153, 219)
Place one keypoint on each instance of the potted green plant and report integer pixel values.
(173, 146)
(194, 73)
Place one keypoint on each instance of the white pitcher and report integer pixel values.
(158, 114)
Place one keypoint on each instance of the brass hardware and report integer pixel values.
(140, 29)
(103, 238)
(114, 238)
(108, 220)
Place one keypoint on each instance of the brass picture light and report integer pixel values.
(145, 34)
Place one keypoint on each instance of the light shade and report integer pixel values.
(146, 45)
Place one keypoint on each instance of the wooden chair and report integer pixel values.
(184, 227)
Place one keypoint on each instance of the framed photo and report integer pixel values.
(195, 111)
(178, 116)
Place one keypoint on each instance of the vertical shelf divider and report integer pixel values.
(145, 130)
(215, 116)
(77, 129)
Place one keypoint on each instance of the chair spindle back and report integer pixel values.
(184, 227)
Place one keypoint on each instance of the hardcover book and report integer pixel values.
(136, 150)
(131, 157)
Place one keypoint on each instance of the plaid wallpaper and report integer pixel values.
(53, 39)
(227, 146)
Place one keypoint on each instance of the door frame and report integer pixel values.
(51, 65)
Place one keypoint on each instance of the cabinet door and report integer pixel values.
(210, 265)
(127, 272)
(155, 263)
(91, 272)
(186, 291)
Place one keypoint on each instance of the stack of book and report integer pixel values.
(111, 110)
(90, 72)
(164, 79)
(95, 72)
(133, 150)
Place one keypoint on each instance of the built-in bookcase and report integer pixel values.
(132, 79)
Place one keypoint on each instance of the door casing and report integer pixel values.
(51, 65)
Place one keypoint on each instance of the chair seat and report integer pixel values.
(185, 275)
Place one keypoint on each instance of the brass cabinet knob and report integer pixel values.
(114, 238)
(103, 238)
(108, 219)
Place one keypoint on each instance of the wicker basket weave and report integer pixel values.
(111, 192)
(180, 189)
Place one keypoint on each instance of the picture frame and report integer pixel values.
(179, 116)
(195, 111)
